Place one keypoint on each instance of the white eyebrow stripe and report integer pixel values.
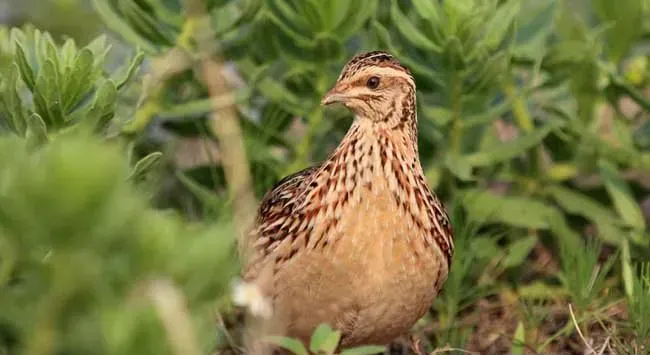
(392, 72)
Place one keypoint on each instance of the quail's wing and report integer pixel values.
(276, 211)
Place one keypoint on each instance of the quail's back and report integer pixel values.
(359, 242)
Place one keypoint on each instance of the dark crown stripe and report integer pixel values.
(365, 59)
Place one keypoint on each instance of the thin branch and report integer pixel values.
(575, 324)
(224, 122)
(170, 305)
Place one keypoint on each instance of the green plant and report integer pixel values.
(325, 341)
(582, 275)
(639, 309)
(68, 86)
(87, 265)
(532, 123)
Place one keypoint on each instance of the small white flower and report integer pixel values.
(250, 296)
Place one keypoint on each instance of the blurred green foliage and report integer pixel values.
(534, 120)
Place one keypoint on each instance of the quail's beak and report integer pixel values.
(333, 96)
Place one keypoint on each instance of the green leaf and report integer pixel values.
(534, 26)
(524, 212)
(538, 290)
(80, 80)
(26, 71)
(412, 34)
(438, 114)
(47, 95)
(207, 197)
(576, 203)
(14, 105)
(458, 166)
(37, 132)
(511, 149)
(624, 202)
(145, 165)
(518, 251)
(518, 340)
(324, 339)
(428, 9)
(625, 20)
(293, 345)
(355, 18)
(68, 53)
(114, 22)
(626, 266)
(422, 69)
(607, 222)
(364, 350)
(144, 23)
(127, 72)
(500, 23)
(103, 106)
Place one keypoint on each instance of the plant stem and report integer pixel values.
(524, 120)
(519, 108)
(224, 124)
(315, 120)
(455, 100)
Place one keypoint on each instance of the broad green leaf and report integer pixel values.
(145, 165)
(293, 345)
(576, 203)
(416, 67)
(511, 149)
(324, 339)
(412, 34)
(37, 132)
(534, 26)
(14, 105)
(624, 202)
(518, 340)
(95, 115)
(68, 53)
(207, 197)
(500, 23)
(99, 47)
(80, 80)
(458, 166)
(438, 114)
(625, 24)
(47, 95)
(485, 247)
(606, 221)
(518, 251)
(524, 212)
(364, 350)
(129, 69)
(27, 74)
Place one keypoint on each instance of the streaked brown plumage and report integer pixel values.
(359, 242)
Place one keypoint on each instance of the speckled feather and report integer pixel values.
(359, 241)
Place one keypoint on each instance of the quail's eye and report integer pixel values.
(373, 82)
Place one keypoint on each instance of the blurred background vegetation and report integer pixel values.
(138, 134)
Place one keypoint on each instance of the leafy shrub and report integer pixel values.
(533, 123)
